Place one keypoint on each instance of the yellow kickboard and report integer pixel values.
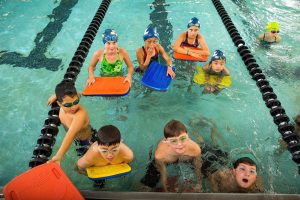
(108, 171)
(200, 79)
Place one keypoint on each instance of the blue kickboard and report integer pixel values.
(155, 77)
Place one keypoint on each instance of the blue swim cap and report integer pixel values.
(109, 35)
(218, 55)
(194, 22)
(150, 32)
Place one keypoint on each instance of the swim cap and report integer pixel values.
(194, 22)
(109, 35)
(218, 55)
(150, 32)
(272, 26)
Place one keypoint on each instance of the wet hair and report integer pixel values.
(108, 135)
(244, 160)
(174, 128)
(63, 89)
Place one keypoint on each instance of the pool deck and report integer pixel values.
(88, 194)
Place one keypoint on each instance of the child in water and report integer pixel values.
(111, 59)
(241, 179)
(150, 51)
(216, 66)
(187, 41)
(174, 147)
(107, 150)
(75, 119)
(272, 33)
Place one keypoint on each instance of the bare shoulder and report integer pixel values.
(195, 147)
(161, 151)
(122, 51)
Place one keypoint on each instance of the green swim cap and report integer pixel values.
(272, 26)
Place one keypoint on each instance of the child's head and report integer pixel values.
(67, 96)
(108, 139)
(150, 33)
(218, 61)
(193, 27)
(176, 135)
(273, 27)
(244, 172)
(110, 38)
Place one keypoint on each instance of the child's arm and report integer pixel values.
(140, 57)
(215, 181)
(128, 64)
(198, 166)
(176, 47)
(160, 165)
(203, 51)
(127, 154)
(168, 61)
(92, 66)
(76, 126)
(205, 70)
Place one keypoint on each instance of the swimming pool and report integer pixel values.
(39, 50)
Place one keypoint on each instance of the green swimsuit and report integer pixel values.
(111, 69)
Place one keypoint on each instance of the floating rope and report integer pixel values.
(46, 140)
(276, 110)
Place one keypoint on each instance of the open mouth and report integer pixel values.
(245, 180)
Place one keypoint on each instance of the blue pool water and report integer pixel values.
(38, 44)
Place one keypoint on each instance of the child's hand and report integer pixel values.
(51, 99)
(196, 55)
(151, 51)
(55, 160)
(90, 81)
(170, 72)
(128, 79)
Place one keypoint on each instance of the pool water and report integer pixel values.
(37, 47)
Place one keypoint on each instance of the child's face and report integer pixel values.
(109, 153)
(178, 144)
(218, 65)
(70, 104)
(193, 31)
(111, 46)
(245, 175)
(150, 42)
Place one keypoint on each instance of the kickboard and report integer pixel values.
(108, 171)
(181, 56)
(107, 86)
(46, 181)
(155, 77)
(200, 79)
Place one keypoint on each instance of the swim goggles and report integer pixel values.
(68, 105)
(243, 170)
(107, 151)
(275, 31)
(175, 141)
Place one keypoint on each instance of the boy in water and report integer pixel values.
(176, 146)
(74, 118)
(272, 33)
(242, 179)
(108, 149)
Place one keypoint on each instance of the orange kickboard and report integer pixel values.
(47, 181)
(180, 56)
(107, 86)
